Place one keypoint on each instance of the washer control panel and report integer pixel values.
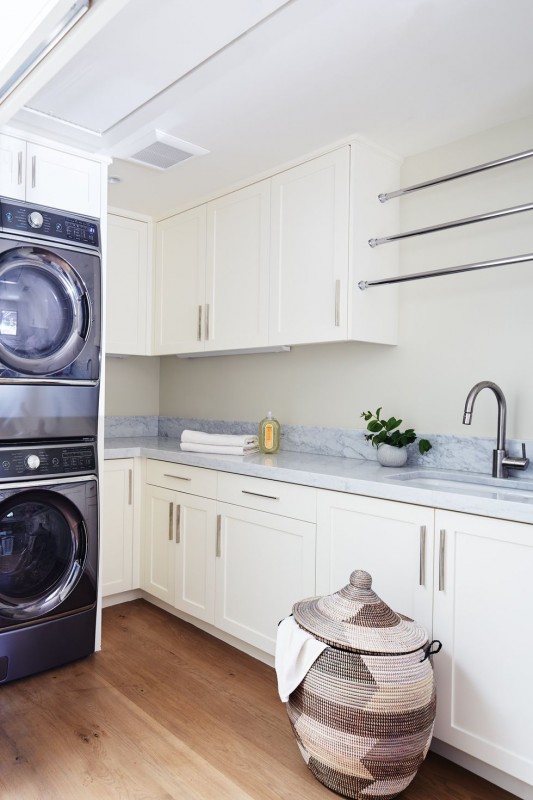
(32, 461)
(48, 223)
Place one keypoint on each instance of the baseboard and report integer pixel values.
(121, 597)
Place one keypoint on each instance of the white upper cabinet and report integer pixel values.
(128, 286)
(180, 283)
(12, 167)
(309, 258)
(238, 230)
(49, 177)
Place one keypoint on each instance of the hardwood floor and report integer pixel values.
(167, 711)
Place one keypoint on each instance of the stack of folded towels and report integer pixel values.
(227, 444)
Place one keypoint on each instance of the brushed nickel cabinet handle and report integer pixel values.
(442, 547)
(178, 524)
(170, 521)
(207, 322)
(422, 565)
(130, 487)
(19, 173)
(219, 536)
(337, 303)
(33, 171)
(178, 477)
(258, 494)
(199, 333)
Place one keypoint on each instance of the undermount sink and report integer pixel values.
(467, 483)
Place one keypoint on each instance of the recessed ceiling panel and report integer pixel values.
(143, 50)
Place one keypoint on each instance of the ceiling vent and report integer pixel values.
(161, 151)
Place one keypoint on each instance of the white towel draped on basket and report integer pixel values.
(296, 652)
(224, 444)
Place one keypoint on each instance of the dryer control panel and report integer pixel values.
(33, 461)
(48, 223)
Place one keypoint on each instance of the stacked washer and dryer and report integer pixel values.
(50, 343)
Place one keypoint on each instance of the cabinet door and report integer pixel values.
(158, 573)
(483, 613)
(116, 540)
(180, 283)
(195, 543)
(237, 282)
(392, 541)
(128, 297)
(309, 257)
(62, 180)
(12, 167)
(265, 564)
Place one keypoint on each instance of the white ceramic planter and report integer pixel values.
(391, 456)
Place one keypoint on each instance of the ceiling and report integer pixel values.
(259, 82)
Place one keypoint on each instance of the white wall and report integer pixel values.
(454, 331)
(132, 386)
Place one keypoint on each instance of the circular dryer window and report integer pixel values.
(43, 547)
(45, 315)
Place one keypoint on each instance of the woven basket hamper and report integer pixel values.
(363, 715)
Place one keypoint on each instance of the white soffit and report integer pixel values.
(104, 82)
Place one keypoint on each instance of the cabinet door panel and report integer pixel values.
(62, 180)
(158, 568)
(12, 167)
(116, 540)
(309, 258)
(266, 564)
(238, 231)
(180, 283)
(392, 541)
(128, 298)
(483, 614)
(195, 541)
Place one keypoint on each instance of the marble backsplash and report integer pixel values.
(471, 454)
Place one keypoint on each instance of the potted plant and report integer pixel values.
(391, 442)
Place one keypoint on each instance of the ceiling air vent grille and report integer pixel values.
(162, 151)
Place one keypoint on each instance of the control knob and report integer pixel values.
(35, 219)
(32, 461)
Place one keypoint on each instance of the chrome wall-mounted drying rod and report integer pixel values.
(454, 175)
(415, 276)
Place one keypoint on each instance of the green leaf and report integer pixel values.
(424, 445)
(374, 426)
(393, 423)
(378, 412)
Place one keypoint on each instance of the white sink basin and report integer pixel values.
(518, 490)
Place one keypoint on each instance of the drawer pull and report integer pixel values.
(170, 521)
(178, 524)
(442, 546)
(199, 334)
(207, 321)
(422, 565)
(19, 175)
(337, 303)
(177, 477)
(33, 171)
(219, 536)
(130, 487)
(258, 494)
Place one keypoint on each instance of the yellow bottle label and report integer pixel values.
(269, 436)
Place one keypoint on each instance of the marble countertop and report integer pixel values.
(353, 475)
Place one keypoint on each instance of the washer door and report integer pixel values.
(45, 315)
(43, 547)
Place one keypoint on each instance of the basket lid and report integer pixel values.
(355, 618)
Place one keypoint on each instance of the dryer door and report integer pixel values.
(43, 548)
(45, 313)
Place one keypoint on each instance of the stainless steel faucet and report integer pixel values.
(501, 461)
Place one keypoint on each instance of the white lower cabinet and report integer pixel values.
(265, 563)
(482, 614)
(392, 541)
(117, 535)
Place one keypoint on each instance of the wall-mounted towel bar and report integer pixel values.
(415, 276)
(452, 224)
(454, 175)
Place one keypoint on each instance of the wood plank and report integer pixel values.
(167, 711)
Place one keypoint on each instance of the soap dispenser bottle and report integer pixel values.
(269, 434)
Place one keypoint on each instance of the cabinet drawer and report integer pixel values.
(286, 499)
(182, 478)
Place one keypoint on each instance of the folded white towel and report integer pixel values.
(229, 450)
(220, 439)
(296, 652)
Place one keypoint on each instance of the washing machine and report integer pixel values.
(48, 556)
(50, 323)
